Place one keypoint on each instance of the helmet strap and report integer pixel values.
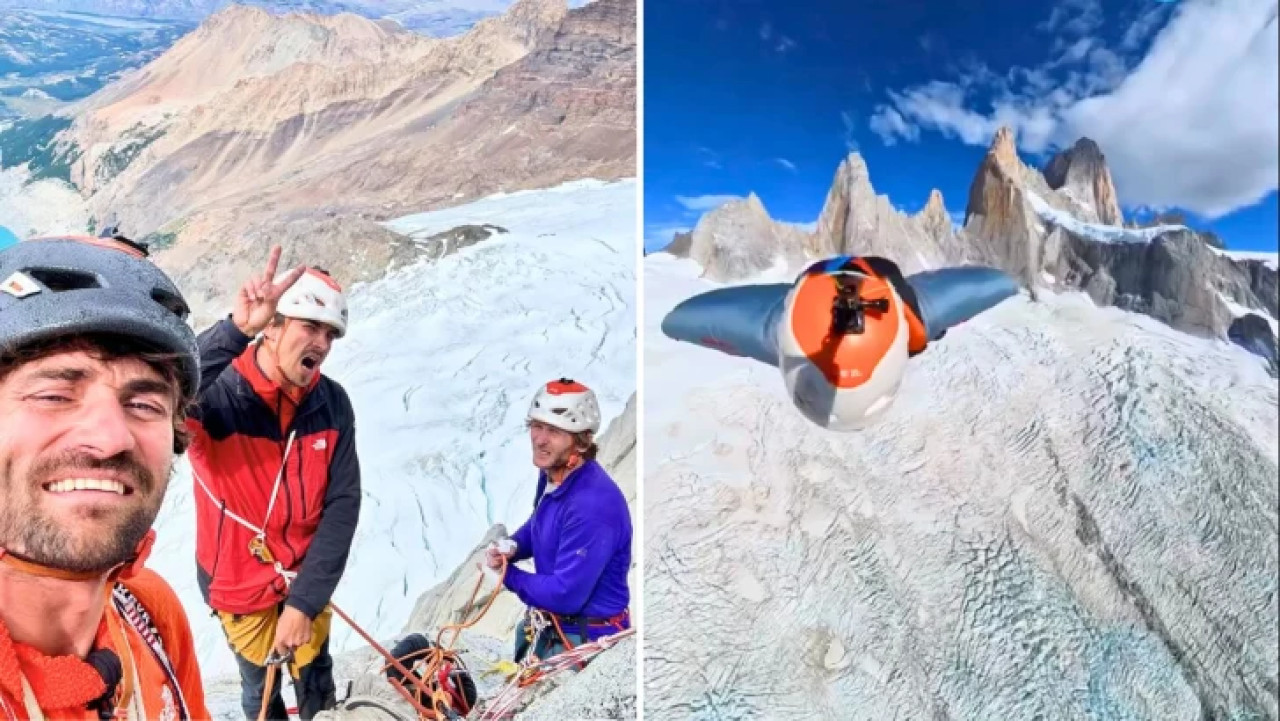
(123, 570)
(31, 568)
(559, 473)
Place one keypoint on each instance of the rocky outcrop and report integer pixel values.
(1080, 173)
(1163, 279)
(998, 218)
(1253, 333)
(855, 220)
(936, 221)
(1017, 221)
(738, 240)
(352, 249)
(681, 246)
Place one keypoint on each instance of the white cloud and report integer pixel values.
(1148, 22)
(704, 202)
(1078, 50)
(784, 44)
(710, 158)
(850, 142)
(786, 164)
(889, 124)
(1193, 124)
(766, 31)
(1074, 17)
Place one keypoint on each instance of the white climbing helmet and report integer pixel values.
(567, 405)
(315, 296)
(844, 378)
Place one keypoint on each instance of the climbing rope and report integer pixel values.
(431, 700)
(275, 667)
(427, 692)
(535, 670)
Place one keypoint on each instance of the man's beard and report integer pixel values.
(48, 543)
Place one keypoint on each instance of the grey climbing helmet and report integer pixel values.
(69, 285)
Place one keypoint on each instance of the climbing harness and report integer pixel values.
(258, 544)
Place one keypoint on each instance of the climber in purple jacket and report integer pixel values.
(579, 535)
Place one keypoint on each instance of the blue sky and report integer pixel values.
(750, 96)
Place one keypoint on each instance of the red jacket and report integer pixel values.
(241, 428)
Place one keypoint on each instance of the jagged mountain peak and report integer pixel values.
(535, 17)
(1004, 146)
(935, 203)
(1081, 174)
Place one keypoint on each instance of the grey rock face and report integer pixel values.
(1253, 333)
(681, 245)
(855, 220)
(1175, 277)
(605, 689)
(1081, 172)
(739, 239)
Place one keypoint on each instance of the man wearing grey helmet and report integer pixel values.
(97, 367)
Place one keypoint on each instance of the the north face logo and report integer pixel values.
(319, 445)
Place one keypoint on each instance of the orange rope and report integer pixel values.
(266, 692)
(434, 658)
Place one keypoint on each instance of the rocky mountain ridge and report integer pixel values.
(314, 128)
(1062, 229)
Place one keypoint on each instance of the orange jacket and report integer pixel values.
(63, 686)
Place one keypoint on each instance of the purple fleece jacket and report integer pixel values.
(579, 537)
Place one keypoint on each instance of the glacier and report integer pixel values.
(1069, 513)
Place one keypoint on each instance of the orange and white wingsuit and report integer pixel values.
(843, 331)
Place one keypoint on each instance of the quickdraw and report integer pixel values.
(275, 667)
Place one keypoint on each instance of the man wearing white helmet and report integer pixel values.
(277, 482)
(579, 535)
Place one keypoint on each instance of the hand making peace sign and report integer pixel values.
(258, 297)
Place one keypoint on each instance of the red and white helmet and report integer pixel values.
(567, 405)
(315, 296)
